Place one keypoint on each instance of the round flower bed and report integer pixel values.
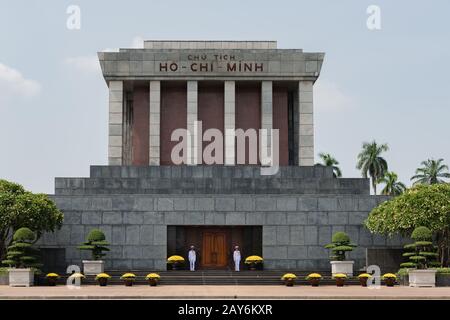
(175, 261)
(129, 278)
(52, 278)
(314, 279)
(289, 279)
(252, 261)
(363, 277)
(340, 279)
(77, 276)
(389, 279)
(102, 279)
(153, 279)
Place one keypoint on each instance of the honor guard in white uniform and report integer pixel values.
(236, 258)
(192, 258)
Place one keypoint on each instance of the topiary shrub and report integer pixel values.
(20, 253)
(422, 234)
(421, 254)
(445, 271)
(24, 234)
(96, 243)
(340, 244)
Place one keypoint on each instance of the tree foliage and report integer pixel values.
(421, 253)
(431, 172)
(96, 243)
(371, 163)
(329, 161)
(422, 205)
(340, 244)
(21, 253)
(20, 208)
(392, 187)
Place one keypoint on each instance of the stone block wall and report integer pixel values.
(295, 226)
(209, 180)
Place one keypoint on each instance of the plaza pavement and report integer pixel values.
(222, 292)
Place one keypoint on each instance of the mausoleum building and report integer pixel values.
(151, 206)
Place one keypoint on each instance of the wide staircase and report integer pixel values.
(217, 277)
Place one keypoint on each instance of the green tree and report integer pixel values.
(96, 243)
(431, 172)
(329, 161)
(21, 253)
(422, 205)
(392, 187)
(340, 244)
(20, 208)
(371, 163)
(421, 253)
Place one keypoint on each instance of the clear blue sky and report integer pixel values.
(391, 85)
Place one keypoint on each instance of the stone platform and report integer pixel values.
(224, 292)
(298, 209)
(209, 180)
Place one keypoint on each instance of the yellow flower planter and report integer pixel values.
(289, 279)
(314, 279)
(175, 261)
(153, 279)
(52, 278)
(363, 278)
(340, 279)
(128, 278)
(102, 279)
(389, 279)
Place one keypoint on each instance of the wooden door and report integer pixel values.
(214, 250)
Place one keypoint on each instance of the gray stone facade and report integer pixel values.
(296, 225)
(225, 61)
(155, 63)
(298, 209)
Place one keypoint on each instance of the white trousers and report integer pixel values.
(192, 265)
(236, 264)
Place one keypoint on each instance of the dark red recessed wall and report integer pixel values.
(280, 121)
(248, 110)
(211, 106)
(140, 136)
(173, 116)
(210, 112)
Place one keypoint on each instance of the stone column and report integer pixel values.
(155, 120)
(127, 143)
(115, 141)
(306, 124)
(229, 121)
(192, 106)
(266, 114)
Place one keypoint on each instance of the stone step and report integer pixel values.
(203, 179)
(94, 186)
(213, 277)
(212, 281)
(207, 171)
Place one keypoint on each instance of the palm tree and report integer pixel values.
(329, 161)
(430, 172)
(392, 186)
(371, 163)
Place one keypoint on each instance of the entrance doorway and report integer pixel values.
(214, 244)
(214, 249)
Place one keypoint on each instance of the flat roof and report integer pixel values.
(209, 44)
